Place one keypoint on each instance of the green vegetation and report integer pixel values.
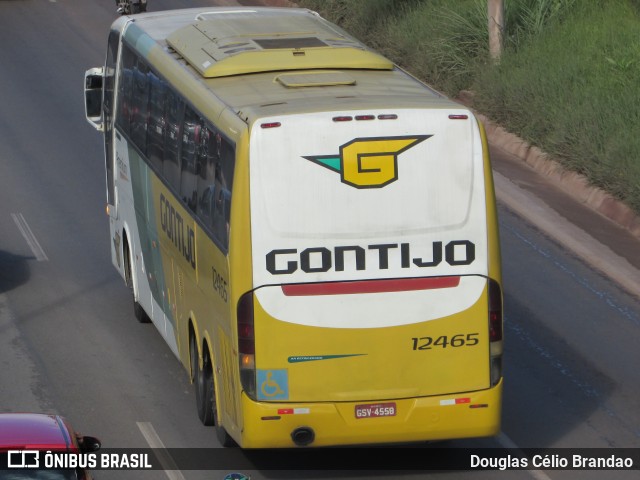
(568, 80)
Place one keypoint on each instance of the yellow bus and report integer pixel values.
(312, 230)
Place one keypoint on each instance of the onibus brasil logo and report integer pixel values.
(368, 162)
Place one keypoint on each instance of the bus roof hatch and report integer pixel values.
(297, 40)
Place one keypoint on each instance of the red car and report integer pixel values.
(42, 433)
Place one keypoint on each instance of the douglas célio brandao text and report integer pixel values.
(552, 461)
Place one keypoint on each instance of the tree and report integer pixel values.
(495, 10)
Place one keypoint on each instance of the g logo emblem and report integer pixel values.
(368, 162)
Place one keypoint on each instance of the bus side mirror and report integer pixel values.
(93, 79)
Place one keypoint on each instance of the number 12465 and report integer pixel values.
(445, 341)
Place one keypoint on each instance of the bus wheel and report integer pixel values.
(138, 311)
(193, 357)
(205, 396)
(224, 438)
(205, 393)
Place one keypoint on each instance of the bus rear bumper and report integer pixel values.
(447, 417)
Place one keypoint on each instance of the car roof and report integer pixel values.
(34, 431)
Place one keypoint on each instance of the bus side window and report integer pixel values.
(108, 109)
(224, 181)
(205, 169)
(191, 137)
(174, 108)
(205, 204)
(140, 105)
(125, 87)
(220, 211)
(157, 121)
(215, 168)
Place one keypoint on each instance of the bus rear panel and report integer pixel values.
(370, 309)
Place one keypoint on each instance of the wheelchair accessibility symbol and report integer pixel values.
(273, 384)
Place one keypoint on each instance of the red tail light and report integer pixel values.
(495, 331)
(247, 344)
(246, 338)
(495, 311)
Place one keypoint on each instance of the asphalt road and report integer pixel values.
(69, 343)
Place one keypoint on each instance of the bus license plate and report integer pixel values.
(376, 410)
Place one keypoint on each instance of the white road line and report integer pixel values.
(28, 235)
(506, 442)
(591, 251)
(152, 438)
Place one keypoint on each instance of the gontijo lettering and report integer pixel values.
(321, 259)
(179, 232)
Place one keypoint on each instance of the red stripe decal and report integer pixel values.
(370, 286)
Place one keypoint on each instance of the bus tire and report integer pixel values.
(138, 311)
(205, 395)
(224, 438)
(193, 357)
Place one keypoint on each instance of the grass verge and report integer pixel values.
(568, 80)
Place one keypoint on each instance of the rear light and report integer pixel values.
(495, 330)
(460, 116)
(247, 344)
(270, 125)
(348, 118)
(495, 311)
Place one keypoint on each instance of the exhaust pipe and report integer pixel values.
(303, 436)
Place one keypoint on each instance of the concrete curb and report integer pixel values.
(538, 213)
(573, 183)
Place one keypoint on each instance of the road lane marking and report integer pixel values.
(591, 251)
(609, 300)
(28, 235)
(506, 442)
(169, 466)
